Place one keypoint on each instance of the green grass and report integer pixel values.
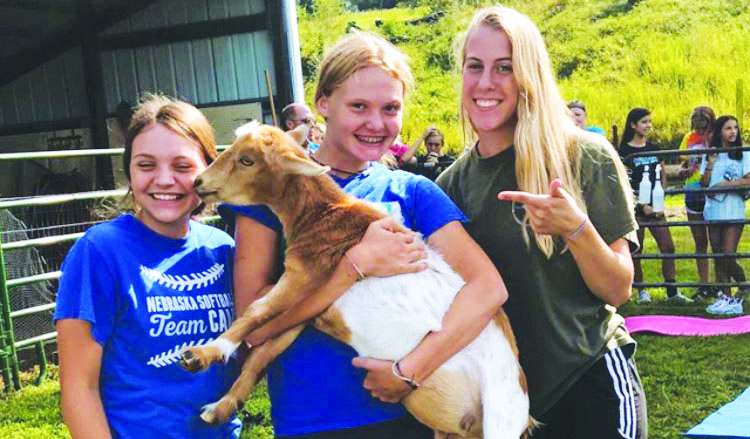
(667, 55)
(686, 378)
(685, 268)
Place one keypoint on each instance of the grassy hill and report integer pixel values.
(666, 55)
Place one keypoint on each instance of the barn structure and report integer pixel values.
(70, 72)
(67, 66)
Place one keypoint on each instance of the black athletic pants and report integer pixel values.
(401, 428)
(607, 402)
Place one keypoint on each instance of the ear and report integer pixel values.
(322, 106)
(292, 163)
(299, 134)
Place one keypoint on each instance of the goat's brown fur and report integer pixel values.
(278, 170)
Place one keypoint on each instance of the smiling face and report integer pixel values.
(163, 166)
(490, 92)
(643, 126)
(363, 116)
(729, 132)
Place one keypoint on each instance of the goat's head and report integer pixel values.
(253, 169)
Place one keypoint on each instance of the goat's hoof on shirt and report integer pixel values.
(195, 359)
(219, 412)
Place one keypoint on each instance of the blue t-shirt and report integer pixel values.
(595, 129)
(147, 296)
(313, 386)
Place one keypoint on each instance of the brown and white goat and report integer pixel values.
(479, 392)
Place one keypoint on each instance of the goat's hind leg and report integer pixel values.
(285, 294)
(260, 356)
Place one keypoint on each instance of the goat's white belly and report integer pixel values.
(389, 316)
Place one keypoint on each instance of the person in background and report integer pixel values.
(560, 234)
(135, 290)
(433, 163)
(294, 115)
(635, 140)
(719, 171)
(318, 387)
(578, 114)
(701, 126)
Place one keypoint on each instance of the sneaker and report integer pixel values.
(704, 294)
(644, 297)
(718, 306)
(679, 299)
(733, 308)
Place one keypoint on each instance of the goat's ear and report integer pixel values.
(291, 163)
(299, 134)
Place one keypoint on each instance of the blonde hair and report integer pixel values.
(547, 143)
(356, 51)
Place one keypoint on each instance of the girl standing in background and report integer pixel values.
(635, 140)
(726, 170)
(701, 126)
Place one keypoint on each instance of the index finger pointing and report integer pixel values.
(522, 197)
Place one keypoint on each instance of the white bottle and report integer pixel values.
(657, 196)
(644, 190)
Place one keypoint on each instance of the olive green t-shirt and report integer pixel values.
(560, 326)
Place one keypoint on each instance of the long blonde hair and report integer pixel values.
(547, 143)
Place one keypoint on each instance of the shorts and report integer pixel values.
(406, 427)
(607, 402)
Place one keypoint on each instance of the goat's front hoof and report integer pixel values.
(195, 359)
(219, 412)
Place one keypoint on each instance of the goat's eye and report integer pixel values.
(246, 161)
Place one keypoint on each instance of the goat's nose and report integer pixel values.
(197, 182)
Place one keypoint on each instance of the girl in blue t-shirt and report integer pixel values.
(317, 386)
(135, 290)
(726, 170)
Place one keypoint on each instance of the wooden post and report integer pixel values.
(270, 96)
(740, 109)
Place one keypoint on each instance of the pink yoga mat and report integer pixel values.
(680, 325)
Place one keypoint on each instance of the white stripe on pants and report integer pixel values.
(619, 371)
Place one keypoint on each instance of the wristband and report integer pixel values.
(397, 373)
(577, 231)
(360, 275)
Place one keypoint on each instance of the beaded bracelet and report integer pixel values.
(360, 275)
(397, 373)
(578, 230)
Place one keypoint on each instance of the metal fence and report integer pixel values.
(38, 231)
(35, 235)
(678, 256)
